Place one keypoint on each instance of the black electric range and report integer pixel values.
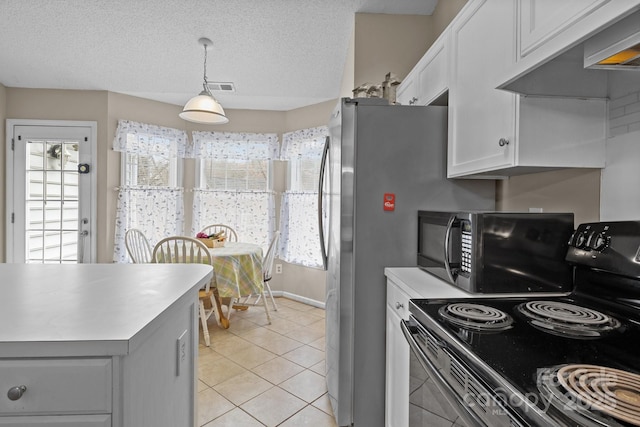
(565, 360)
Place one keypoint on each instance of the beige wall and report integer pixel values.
(568, 190)
(389, 43)
(444, 13)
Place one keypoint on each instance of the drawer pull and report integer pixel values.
(16, 393)
(399, 305)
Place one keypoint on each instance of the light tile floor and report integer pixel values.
(256, 374)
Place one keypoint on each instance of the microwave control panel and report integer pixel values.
(465, 258)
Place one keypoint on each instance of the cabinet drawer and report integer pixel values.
(61, 420)
(397, 300)
(56, 386)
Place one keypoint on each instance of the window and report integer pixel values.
(150, 197)
(298, 212)
(234, 184)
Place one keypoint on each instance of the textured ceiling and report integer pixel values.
(280, 54)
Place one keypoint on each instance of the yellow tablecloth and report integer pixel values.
(237, 269)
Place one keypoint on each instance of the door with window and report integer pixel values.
(50, 192)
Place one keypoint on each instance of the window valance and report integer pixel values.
(235, 146)
(146, 139)
(304, 143)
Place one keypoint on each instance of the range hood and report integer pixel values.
(615, 48)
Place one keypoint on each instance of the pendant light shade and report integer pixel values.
(204, 108)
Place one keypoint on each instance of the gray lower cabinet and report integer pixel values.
(152, 384)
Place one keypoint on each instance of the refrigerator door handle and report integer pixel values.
(323, 165)
(447, 241)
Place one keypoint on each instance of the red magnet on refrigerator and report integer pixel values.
(389, 201)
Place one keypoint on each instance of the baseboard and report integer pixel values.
(299, 298)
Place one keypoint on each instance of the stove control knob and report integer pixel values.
(599, 241)
(581, 240)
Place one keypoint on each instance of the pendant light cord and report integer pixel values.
(205, 85)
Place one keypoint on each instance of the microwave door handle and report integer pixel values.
(447, 241)
(323, 165)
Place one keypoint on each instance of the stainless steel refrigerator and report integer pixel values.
(382, 164)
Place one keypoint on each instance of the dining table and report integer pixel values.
(237, 272)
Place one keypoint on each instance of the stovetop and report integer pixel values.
(520, 352)
(517, 352)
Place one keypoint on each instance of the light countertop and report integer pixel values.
(88, 309)
(418, 283)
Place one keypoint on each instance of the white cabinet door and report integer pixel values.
(397, 398)
(547, 33)
(541, 20)
(407, 93)
(429, 79)
(432, 71)
(481, 118)
(397, 361)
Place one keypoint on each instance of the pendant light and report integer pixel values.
(204, 108)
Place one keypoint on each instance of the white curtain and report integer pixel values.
(300, 242)
(145, 139)
(157, 211)
(235, 146)
(250, 213)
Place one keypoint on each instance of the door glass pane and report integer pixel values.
(70, 187)
(35, 156)
(69, 215)
(52, 215)
(35, 245)
(35, 189)
(69, 246)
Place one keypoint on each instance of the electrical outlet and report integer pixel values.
(181, 352)
(278, 268)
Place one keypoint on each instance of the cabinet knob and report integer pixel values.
(399, 305)
(16, 392)
(413, 100)
(503, 141)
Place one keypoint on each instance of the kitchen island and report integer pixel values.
(99, 344)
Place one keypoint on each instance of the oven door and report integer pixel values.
(431, 401)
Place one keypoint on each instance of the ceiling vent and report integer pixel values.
(221, 86)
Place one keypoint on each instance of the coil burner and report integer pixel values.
(594, 393)
(476, 316)
(568, 319)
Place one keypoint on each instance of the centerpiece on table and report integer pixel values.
(215, 240)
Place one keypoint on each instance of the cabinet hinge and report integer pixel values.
(13, 144)
(13, 217)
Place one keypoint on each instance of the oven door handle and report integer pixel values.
(447, 391)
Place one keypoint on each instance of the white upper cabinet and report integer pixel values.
(428, 82)
(549, 50)
(542, 20)
(481, 118)
(495, 133)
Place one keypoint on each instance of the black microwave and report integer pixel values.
(497, 252)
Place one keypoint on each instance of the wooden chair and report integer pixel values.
(267, 270)
(138, 246)
(231, 234)
(187, 250)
